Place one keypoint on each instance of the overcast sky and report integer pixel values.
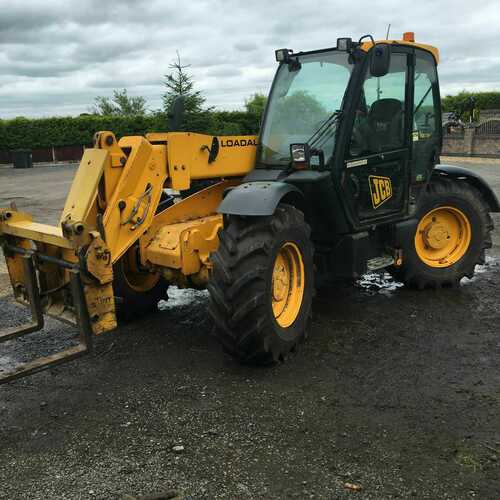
(56, 56)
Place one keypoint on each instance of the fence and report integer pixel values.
(489, 128)
(472, 140)
(50, 155)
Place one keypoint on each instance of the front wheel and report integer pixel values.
(138, 291)
(452, 235)
(262, 284)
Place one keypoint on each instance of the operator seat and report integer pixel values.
(385, 120)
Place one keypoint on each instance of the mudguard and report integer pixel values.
(466, 175)
(258, 198)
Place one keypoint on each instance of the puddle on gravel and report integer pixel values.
(180, 297)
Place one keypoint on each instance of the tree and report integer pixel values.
(121, 104)
(464, 103)
(298, 113)
(255, 104)
(180, 83)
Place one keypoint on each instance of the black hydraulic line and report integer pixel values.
(40, 256)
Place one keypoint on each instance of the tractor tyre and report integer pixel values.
(452, 234)
(262, 284)
(137, 292)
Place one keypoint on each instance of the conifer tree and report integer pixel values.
(180, 83)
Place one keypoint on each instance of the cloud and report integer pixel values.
(245, 46)
(57, 55)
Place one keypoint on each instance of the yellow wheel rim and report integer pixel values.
(288, 284)
(138, 280)
(443, 237)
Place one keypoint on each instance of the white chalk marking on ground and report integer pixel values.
(180, 297)
(379, 282)
(489, 263)
(384, 283)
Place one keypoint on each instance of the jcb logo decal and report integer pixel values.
(380, 188)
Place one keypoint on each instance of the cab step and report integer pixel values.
(379, 262)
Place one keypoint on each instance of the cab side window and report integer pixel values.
(380, 117)
(424, 112)
(426, 118)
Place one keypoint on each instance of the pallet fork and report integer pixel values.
(32, 294)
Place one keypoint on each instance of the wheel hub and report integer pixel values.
(287, 284)
(443, 237)
(281, 280)
(436, 235)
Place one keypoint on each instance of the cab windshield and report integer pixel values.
(302, 103)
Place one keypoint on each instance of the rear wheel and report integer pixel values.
(261, 285)
(138, 291)
(452, 235)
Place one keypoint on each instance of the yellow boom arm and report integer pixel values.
(67, 270)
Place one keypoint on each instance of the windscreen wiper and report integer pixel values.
(324, 131)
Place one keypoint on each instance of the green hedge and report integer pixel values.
(28, 133)
(69, 131)
(483, 100)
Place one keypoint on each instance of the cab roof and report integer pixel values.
(366, 46)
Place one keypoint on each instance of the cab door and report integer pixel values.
(376, 167)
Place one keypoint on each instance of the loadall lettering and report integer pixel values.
(380, 188)
(230, 143)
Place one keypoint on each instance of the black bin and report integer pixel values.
(22, 158)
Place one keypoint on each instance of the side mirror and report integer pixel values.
(176, 113)
(380, 60)
(214, 150)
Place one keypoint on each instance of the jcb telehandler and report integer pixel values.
(344, 178)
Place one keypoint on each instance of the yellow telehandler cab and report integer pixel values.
(344, 178)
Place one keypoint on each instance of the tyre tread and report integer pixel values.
(237, 292)
(440, 189)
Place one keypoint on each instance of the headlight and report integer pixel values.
(283, 55)
(344, 44)
(300, 156)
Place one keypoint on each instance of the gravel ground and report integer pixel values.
(396, 394)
